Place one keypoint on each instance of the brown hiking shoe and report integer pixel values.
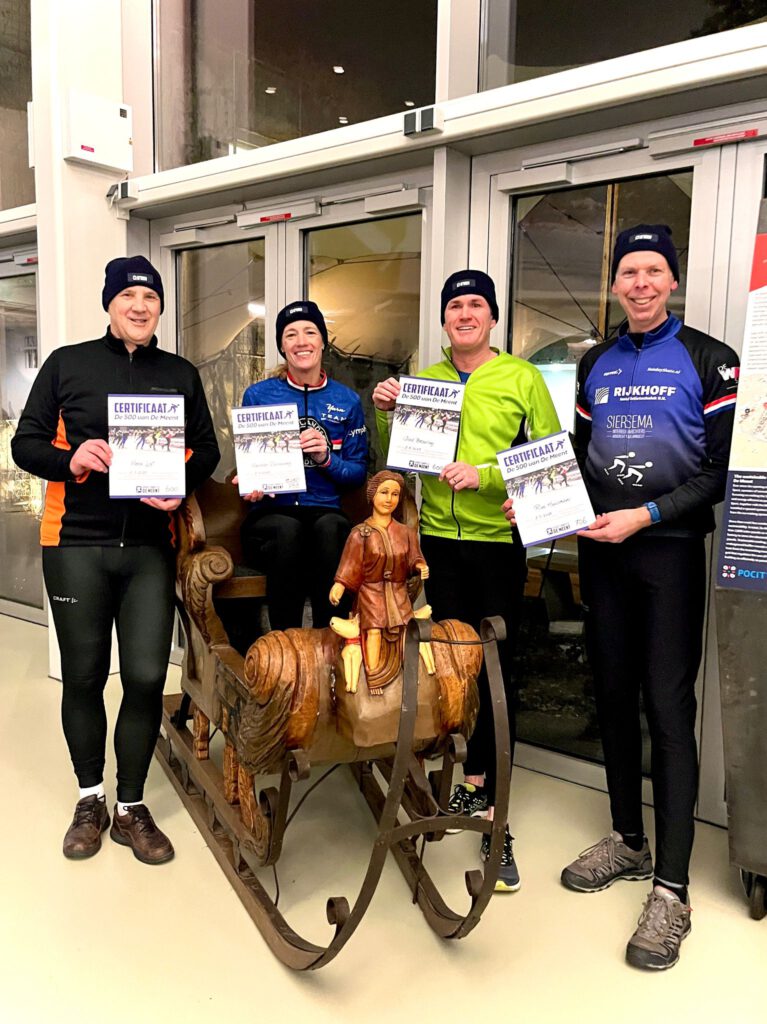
(138, 830)
(664, 922)
(605, 862)
(83, 837)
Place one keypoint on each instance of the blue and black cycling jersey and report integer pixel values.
(654, 419)
(336, 412)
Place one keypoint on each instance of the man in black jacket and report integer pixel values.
(110, 561)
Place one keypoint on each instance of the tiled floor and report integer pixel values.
(111, 939)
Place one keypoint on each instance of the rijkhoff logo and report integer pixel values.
(601, 396)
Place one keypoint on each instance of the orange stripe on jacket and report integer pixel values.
(55, 507)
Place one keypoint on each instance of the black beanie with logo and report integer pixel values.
(646, 238)
(127, 272)
(469, 282)
(303, 309)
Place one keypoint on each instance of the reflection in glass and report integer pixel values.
(366, 278)
(561, 305)
(17, 182)
(21, 495)
(239, 74)
(523, 39)
(221, 317)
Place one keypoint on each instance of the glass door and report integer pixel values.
(21, 495)
(548, 228)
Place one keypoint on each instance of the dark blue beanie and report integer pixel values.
(469, 282)
(302, 309)
(126, 272)
(646, 238)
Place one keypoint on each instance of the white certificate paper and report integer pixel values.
(425, 425)
(543, 478)
(146, 435)
(267, 449)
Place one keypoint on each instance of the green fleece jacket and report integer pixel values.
(502, 396)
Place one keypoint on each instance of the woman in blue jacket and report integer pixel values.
(298, 538)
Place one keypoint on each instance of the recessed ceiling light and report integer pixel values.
(270, 90)
(338, 68)
(257, 309)
(409, 103)
(343, 120)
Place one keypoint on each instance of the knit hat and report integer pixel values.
(303, 309)
(126, 272)
(646, 238)
(469, 282)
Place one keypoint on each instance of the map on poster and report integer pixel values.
(743, 547)
(268, 450)
(545, 482)
(146, 435)
(424, 431)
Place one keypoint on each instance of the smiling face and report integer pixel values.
(133, 315)
(643, 283)
(468, 323)
(386, 497)
(302, 345)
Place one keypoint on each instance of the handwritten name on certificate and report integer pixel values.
(146, 435)
(425, 425)
(268, 449)
(544, 479)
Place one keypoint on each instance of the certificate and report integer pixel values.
(268, 449)
(544, 479)
(424, 431)
(146, 435)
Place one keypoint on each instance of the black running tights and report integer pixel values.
(89, 589)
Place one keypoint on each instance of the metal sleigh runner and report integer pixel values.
(309, 697)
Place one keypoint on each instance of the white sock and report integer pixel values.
(93, 791)
(124, 808)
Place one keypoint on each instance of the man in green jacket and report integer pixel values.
(476, 568)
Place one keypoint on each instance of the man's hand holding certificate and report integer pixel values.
(424, 431)
(267, 447)
(146, 439)
(545, 484)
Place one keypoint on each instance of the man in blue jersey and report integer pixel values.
(654, 418)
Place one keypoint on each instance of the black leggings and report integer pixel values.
(645, 600)
(471, 580)
(299, 548)
(89, 588)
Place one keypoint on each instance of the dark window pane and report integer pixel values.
(221, 317)
(525, 39)
(17, 182)
(366, 278)
(240, 74)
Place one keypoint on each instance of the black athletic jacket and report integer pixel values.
(68, 405)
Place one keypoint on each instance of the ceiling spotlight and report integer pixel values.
(257, 309)
(338, 68)
(343, 120)
(409, 103)
(270, 90)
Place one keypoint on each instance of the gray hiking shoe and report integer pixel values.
(605, 862)
(663, 924)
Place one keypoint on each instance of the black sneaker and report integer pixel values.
(508, 875)
(467, 799)
(664, 923)
(605, 862)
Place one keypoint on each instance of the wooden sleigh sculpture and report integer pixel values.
(287, 706)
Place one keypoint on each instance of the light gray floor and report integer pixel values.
(111, 939)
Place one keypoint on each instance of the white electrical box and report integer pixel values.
(98, 132)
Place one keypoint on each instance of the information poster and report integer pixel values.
(545, 482)
(268, 449)
(424, 431)
(743, 547)
(146, 435)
